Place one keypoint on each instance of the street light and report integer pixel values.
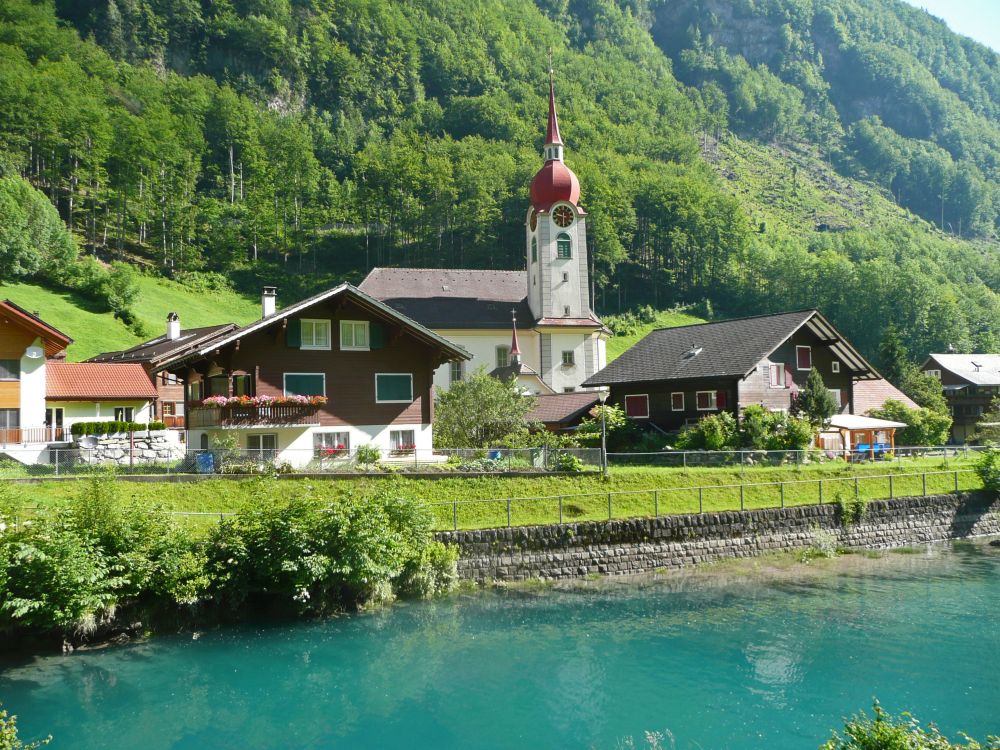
(603, 396)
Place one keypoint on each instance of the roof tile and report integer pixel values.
(93, 381)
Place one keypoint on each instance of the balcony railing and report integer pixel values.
(238, 415)
(173, 421)
(27, 435)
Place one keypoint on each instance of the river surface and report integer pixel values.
(744, 655)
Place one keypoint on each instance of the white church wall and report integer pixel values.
(482, 346)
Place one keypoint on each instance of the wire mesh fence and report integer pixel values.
(749, 458)
(59, 462)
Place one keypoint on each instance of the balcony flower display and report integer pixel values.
(218, 401)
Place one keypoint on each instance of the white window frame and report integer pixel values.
(353, 347)
(261, 452)
(124, 410)
(933, 373)
(645, 397)
(572, 358)
(453, 367)
(395, 401)
(284, 381)
(808, 349)
(683, 401)
(713, 406)
(506, 350)
(315, 323)
(778, 367)
(835, 367)
(319, 441)
(397, 445)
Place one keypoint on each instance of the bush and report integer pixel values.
(367, 454)
(988, 468)
(923, 426)
(885, 732)
(622, 433)
(568, 462)
(8, 734)
(111, 428)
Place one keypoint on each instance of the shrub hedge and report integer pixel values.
(109, 428)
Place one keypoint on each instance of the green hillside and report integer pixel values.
(95, 332)
(753, 154)
(619, 343)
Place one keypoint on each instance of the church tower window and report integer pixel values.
(534, 249)
(564, 246)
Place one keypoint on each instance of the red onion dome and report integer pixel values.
(554, 182)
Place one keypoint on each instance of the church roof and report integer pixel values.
(553, 183)
(453, 298)
(552, 133)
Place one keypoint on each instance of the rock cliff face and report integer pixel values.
(648, 544)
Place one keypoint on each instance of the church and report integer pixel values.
(536, 325)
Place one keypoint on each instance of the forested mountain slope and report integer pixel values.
(757, 154)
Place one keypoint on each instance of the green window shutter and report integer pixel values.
(304, 384)
(394, 387)
(293, 334)
(376, 335)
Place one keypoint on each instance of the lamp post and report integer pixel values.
(603, 396)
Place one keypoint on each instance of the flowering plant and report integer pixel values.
(405, 447)
(331, 451)
(215, 401)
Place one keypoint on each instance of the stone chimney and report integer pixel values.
(173, 326)
(268, 301)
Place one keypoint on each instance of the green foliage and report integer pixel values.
(621, 433)
(988, 468)
(885, 732)
(480, 412)
(758, 429)
(852, 509)
(927, 391)
(367, 454)
(312, 555)
(568, 462)
(814, 401)
(8, 734)
(109, 428)
(923, 426)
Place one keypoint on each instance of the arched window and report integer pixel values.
(564, 246)
(534, 249)
(204, 441)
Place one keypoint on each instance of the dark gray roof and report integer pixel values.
(453, 298)
(730, 348)
(161, 348)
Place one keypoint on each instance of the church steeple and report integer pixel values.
(553, 142)
(515, 349)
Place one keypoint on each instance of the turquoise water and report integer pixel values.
(720, 660)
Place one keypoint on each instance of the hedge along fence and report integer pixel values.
(110, 428)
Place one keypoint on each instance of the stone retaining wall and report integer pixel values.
(647, 544)
(117, 448)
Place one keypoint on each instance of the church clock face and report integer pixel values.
(533, 221)
(563, 216)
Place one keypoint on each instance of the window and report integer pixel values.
(305, 384)
(835, 392)
(393, 388)
(933, 373)
(676, 402)
(569, 358)
(637, 406)
(534, 249)
(706, 400)
(569, 389)
(566, 311)
(503, 356)
(565, 277)
(203, 441)
(10, 418)
(835, 367)
(564, 246)
(54, 417)
(124, 413)
(402, 440)
(457, 371)
(217, 385)
(803, 357)
(262, 447)
(316, 334)
(241, 385)
(168, 378)
(330, 444)
(171, 408)
(776, 375)
(354, 335)
(10, 369)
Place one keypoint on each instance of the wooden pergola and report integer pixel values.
(855, 431)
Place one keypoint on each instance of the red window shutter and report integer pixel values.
(804, 356)
(845, 399)
(721, 400)
(637, 406)
(789, 379)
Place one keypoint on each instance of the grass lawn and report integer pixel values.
(664, 319)
(633, 491)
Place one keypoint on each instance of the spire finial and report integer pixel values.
(552, 133)
(515, 349)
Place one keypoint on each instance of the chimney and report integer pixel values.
(268, 301)
(173, 327)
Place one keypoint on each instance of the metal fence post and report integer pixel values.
(820, 491)
(924, 477)
(609, 506)
(857, 489)
(508, 512)
(701, 500)
(454, 510)
(890, 486)
(782, 486)
(560, 510)
(656, 503)
(956, 481)
(741, 497)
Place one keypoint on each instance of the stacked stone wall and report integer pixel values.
(120, 449)
(649, 544)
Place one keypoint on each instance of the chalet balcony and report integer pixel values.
(250, 415)
(11, 436)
